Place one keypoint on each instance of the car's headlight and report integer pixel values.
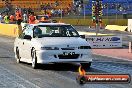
(49, 48)
(84, 47)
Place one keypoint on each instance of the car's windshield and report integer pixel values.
(55, 31)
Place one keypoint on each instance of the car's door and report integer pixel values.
(26, 43)
(20, 41)
(26, 46)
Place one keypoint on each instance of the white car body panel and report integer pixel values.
(52, 56)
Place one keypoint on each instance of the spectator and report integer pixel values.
(49, 15)
(7, 10)
(12, 19)
(25, 18)
(52, 12)
(59, 12)
(0, 17)
(56, 3)
(6, 19)
(74, 10)
(18, 17)
(32, 18)
(24, 10)
(43, 19)
(29, 10)
(17, 8)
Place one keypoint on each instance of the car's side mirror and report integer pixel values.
(27, 37)
(82, 36)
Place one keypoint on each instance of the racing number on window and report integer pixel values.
(68, 34)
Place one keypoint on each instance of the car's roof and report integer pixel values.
(49, 24)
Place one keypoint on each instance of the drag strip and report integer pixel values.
(14, 75)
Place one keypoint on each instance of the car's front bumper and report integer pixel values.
(50, 56)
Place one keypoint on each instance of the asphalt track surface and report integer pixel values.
(13, 75)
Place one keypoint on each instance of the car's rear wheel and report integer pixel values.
(34, 59)
(17, 55)
(86, 65)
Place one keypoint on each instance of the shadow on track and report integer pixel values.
(62, 67)
(59, 67)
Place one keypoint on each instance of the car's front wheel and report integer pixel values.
(17, 55)
(34, 59)
(86, 65)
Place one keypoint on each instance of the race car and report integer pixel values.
(46, 43)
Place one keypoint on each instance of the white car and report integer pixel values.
(46, 43)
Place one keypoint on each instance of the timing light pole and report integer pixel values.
(97, 13)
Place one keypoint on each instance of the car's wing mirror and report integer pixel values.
(82, 36)
(27, 37)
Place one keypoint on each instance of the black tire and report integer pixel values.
(34, 59)
(17, 55)
(86, 65)
(81, 80)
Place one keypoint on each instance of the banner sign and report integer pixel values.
(84, 78)
(104, 78)
(105, 41)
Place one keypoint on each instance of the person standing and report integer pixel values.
(31, 18)
(12, 18)
(25, 18)
(6, 19)
(18, 17)
(0, 17)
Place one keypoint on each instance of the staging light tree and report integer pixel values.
(97, 13)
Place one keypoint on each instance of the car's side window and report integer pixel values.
(37, 32)
(28, 31)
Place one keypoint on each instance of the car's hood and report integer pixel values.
(61, 41)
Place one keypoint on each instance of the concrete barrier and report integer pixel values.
(12, 30)
(116, 27)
